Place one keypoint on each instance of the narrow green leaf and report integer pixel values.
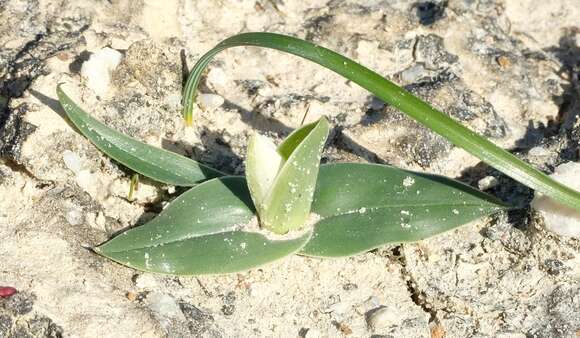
(364, 206)
(397, 97)
(201, 232)
(287, 205)
(133, 186)
(158, 164)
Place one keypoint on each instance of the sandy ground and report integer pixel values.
(507, 69)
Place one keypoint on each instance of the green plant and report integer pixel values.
(397, 97)
(289, 202)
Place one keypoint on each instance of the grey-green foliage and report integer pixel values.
(227, 224)
(282, 180)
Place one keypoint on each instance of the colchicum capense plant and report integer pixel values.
(289, 203)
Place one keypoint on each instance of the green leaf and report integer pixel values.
(158, 164)
(262, 165)
(364, 206)
(290, 143)
(286, 205)
(395, 96)
(203, 231)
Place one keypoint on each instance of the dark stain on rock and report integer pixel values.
(199, 322)
(13, 131)
(429, 12)
(18, 319)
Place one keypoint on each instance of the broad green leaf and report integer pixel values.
(158, 164)
(396, 96)
(262, 165)
(364, 206)
(287, 205)
(201, 232)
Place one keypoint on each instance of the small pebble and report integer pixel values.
(74, 217)
(132, 296)
(349, 287)
(165, 307)
(209, 102)
(539, 152)
(312, 333)
(487, 182)
(72, 161)
(101, 220)
(217, 76)
(344, 328)
(7, 291)
(558, 218)
(503, 61)
(554, 266)
(85, 179)
(337, 308)
(413, 73)
(437, 331)
(372, 302)
(145, 282)
(382, 318)
(98, 69)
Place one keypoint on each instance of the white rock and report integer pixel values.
(97, 70)
(558, 218)
(372, 303)
(101, 220)
(173, 100)
(338, 308)
(313, 333)
(146, 282)
(383, 318)
(217, 77)
(487, 182)
(72, 161)
(74, 217)
(511, 335)
(539, 152)
(165, 308)
(210, 102)
(85, 179)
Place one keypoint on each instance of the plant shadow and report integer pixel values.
(54, 105)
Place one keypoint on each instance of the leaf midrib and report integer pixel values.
(204, 235)
(373, 209)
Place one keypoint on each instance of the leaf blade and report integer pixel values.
(365, 206)
(287, 205)
(176, 243)
(193, 213)
(262, 165)
(158, 164)
(221, 253)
